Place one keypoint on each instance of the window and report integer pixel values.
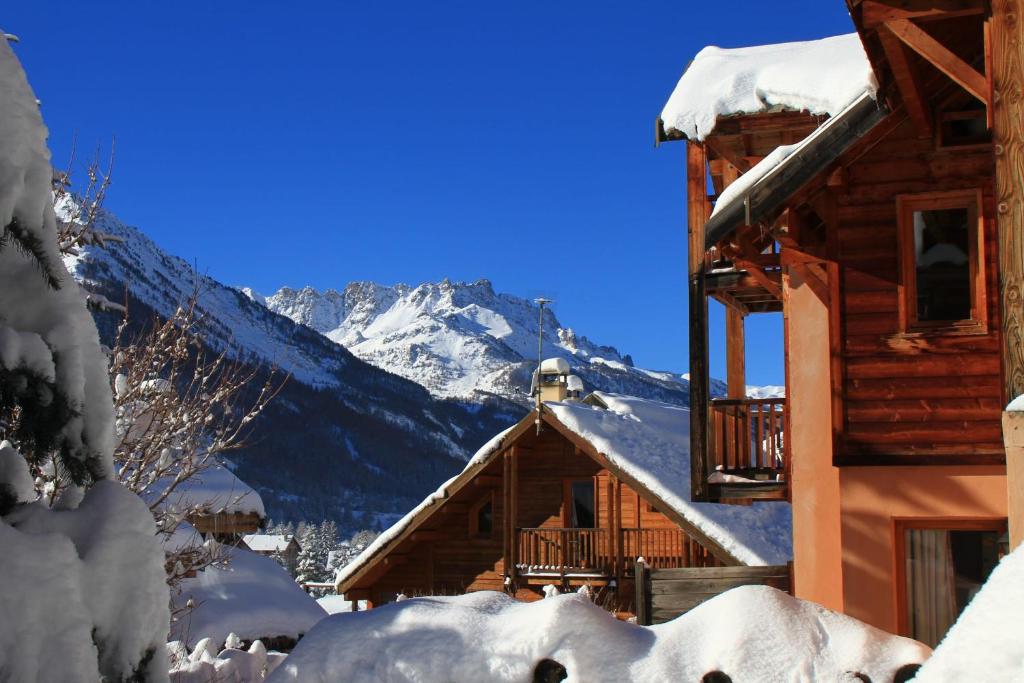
(581, 509)
(963, 128)
(481, 518)
(941, 248)
(942, 565)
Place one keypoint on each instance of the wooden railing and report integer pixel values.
(662, 548)
(746, 437)
(564, 549)
(545, 550)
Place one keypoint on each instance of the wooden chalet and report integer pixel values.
(888, 233)
(285, 547)
(573, 494)
(219, 504)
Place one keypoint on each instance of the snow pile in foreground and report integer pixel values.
(74, 578)
(987, 641)
(650, 441)
(818, 76)
(252, 596)
(753, 633)
(232, 665)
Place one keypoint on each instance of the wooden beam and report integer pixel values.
(722, 151)
(514, 512)
(762, 277)
(506, 515)
(1007, 37)
(908, 81)
(941, 57)
(698, 211)
(735, 354)
(877, 12)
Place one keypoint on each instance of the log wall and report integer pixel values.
(912, 398)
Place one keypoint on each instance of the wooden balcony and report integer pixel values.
(747, 455)
(591, 553)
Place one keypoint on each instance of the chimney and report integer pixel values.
(574, 388)
(552, 385)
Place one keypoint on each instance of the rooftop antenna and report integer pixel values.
(541, 303)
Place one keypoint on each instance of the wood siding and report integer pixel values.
(912, 398)
(442, 557)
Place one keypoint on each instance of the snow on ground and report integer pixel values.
(987, 642)
(818, 76)
(753, 634)
(252, 596)
(650, 441)
(72, 578)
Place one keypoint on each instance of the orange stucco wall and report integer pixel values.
(872, 498)
(817, 551)
(844, 553)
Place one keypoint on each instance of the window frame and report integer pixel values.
(474, 518)
(907, 204)
(900, 527)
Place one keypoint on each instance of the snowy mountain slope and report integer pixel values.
(344, 440)
(463, 340)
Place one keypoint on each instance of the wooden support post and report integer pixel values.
(736, 373)
(617, 530)
(1006, 34)
(643, 612)
(514, 511)
(506, 513)
(1007, 37)
(697, 216)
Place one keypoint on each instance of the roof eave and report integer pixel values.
(770, 193)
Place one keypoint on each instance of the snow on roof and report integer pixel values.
(574, 383)
(650, 441)
(267, 543)
(218, 490)
(556, 366)
(818, 76)
(985, 643)
(395, 530)
(252, 596)
(751, 633)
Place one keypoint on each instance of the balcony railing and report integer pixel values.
(663, 549)
(747, 438)
(590, 551)
(564, 550)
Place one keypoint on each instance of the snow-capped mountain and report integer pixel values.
(344, 439)
(463, 340)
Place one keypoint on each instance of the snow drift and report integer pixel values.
(752, 634)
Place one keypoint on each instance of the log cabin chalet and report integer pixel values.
(572, 495)
(868, 188)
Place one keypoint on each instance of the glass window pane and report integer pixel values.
(583, 504)
(945, 568)
(942, 261)
(484, 520)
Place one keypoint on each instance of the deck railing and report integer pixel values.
(557, 550)
(746, 437)
(564, 549)
(663, 548)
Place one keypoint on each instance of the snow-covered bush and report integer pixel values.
(82, 595)
(233, 664)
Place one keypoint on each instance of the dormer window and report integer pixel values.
(941, 247)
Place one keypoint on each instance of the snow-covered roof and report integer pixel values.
(751, 633)
(650, 442)
(388, 536)
(216, 489)
(267, 543)
(252, 596)
(818, 76)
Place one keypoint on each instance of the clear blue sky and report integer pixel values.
(322, 142)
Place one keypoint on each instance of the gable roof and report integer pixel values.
(268, 543)
(646, 444)
(817, 76)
